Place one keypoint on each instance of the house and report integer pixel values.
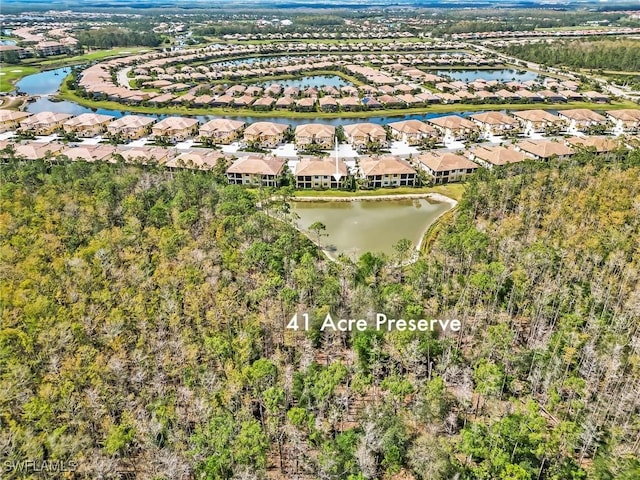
(445, 167)
(328, 104)
(306, 104)
(600, 144)
(537, 121)
(581, 119)
(495, 156)
(494, 123)
(37, 150)
(221, 130)
(386, 171)
(199, 159)
(625, 121)
(175, 128)
(596, 97)
(454, 127)
(10, 119)
(264, 103)
(285, 103)
(315, 133)
(265, 134)
(544, 149)
(320, 173)
(350, 103)
(44, 123)
(360, 134)
(90, 153)
(130, 127)
(256, 170)
(144, 155)
(87, 124)
(412, 131)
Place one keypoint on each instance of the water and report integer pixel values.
(48, 83)
(7, 42)
(316, 81)
(44, 83)
(354, 228)
(503, 75)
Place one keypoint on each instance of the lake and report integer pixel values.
(502, 75)
(361, 226)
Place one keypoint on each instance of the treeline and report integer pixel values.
(117, 37)
(619, 55)
(144, 313)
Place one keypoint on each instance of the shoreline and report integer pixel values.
(378, 198)
(417, 249)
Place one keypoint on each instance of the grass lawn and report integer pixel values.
(452, 190)
(64, 60)
(9, 74)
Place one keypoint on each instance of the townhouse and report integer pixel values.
(625, 121)
(320, 173)
(265, 134)
(386, 171)
(221, 130)
(10, 119)
(43, 123)
(494, 123)
(455, 127)
(495, 156)
(175, 129)
(545, 149)
(581, 119)
(87, 124)
(130, 127)
(445, 167)
(359, 135)
(315, 133)
(256, 170)
(537, 121)
(412, 132)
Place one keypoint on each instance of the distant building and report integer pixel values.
(387, 171)
(445, 167)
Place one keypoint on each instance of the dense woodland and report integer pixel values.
(118, 37)
(143, 315)
(606, 54)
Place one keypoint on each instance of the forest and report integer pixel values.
(143, 331)
(109, 37)
(606, 54)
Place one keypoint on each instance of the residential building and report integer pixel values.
(361, 134)
(175, 129)
(130, 127)
(581, 119)
(10, 119)
(44, 123)
(320, 173)
(386, 171)
(265, 134)
(256, 170)
(625, 121)
(495, 156)
(221, 130)
(315, 133)
(87, 124)
(544, 149)
(412, 132)
(494, 123)
(455, 127)
(537, 121)
(445, 167)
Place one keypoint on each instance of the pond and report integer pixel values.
(316, 81)
(502, 75)
(357, 227)
(43, 83)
